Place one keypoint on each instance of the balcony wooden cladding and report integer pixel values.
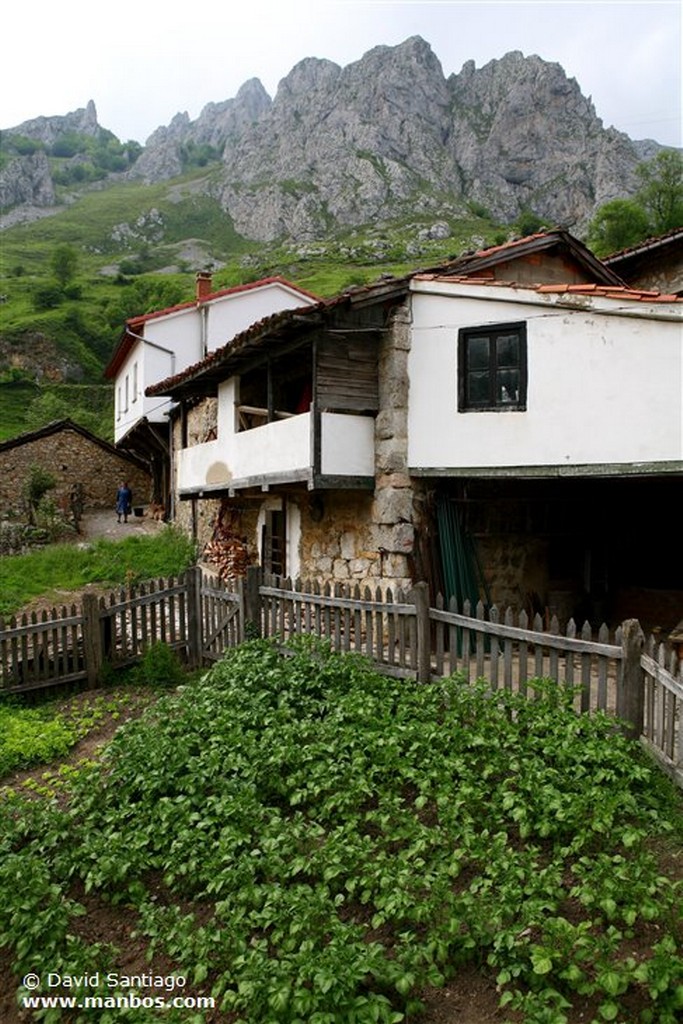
(346, 377)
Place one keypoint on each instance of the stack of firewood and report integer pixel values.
(226, 550)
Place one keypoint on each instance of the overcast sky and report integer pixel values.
(142, 61)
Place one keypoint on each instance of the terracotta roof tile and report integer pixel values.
(512, 244)
(220, 294)
(648, 243)
(598, 290)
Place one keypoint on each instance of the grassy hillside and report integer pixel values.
(27, 405)
(15, 398)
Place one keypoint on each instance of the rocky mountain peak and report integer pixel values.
(311, 73)
(48, 129)
(389, 132)
(525, 136)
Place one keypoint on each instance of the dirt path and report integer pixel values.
(102, 523)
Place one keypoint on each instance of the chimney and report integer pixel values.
(204, 281)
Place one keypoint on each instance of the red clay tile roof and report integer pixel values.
(668, 238)
(235, 290)
(530, 245)
(604, 291)
(134, 323)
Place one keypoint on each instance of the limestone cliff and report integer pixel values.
(386, 137)
(390, 135)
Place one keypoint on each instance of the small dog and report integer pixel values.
(157, 512)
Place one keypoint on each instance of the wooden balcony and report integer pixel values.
(322, 449)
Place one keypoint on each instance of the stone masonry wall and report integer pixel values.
(70, 458)
(202, 421)
(339, 546)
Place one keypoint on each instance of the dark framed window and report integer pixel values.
(492, 367)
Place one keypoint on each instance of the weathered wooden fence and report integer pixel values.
(71, 645)
(200, 617)
(662, 707)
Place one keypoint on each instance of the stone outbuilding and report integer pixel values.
(71, 455)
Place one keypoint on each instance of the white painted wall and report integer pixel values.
(170, 344)
(231, 314)
(283, 446)
(603, 387)
(153, 364)
(174, 341)
(348, 445)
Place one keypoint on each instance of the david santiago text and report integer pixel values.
(168, 982)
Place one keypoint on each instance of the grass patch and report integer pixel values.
(66, 567)
(15, 398)
(307, 840)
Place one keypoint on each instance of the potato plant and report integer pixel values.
(313, 843)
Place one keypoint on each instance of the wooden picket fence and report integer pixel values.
(200, 617)
(71, 645)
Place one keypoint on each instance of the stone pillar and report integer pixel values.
(393, 515)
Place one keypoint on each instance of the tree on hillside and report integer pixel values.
(617, 225)
(64, 264)
(657, 207)
(661, 190)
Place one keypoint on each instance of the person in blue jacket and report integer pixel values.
(124, 502)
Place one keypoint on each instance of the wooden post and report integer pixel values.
(631, 700)
(195, 633)
(419, 596)
(252, 603)
(92, 639)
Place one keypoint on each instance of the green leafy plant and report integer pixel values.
(37, 485)
(27, 736)
(160, 666)
(307, 840)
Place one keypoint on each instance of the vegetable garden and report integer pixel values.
(306, 841)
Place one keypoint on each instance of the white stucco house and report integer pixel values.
(166, 341)
(519, 411)
(549, 380)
